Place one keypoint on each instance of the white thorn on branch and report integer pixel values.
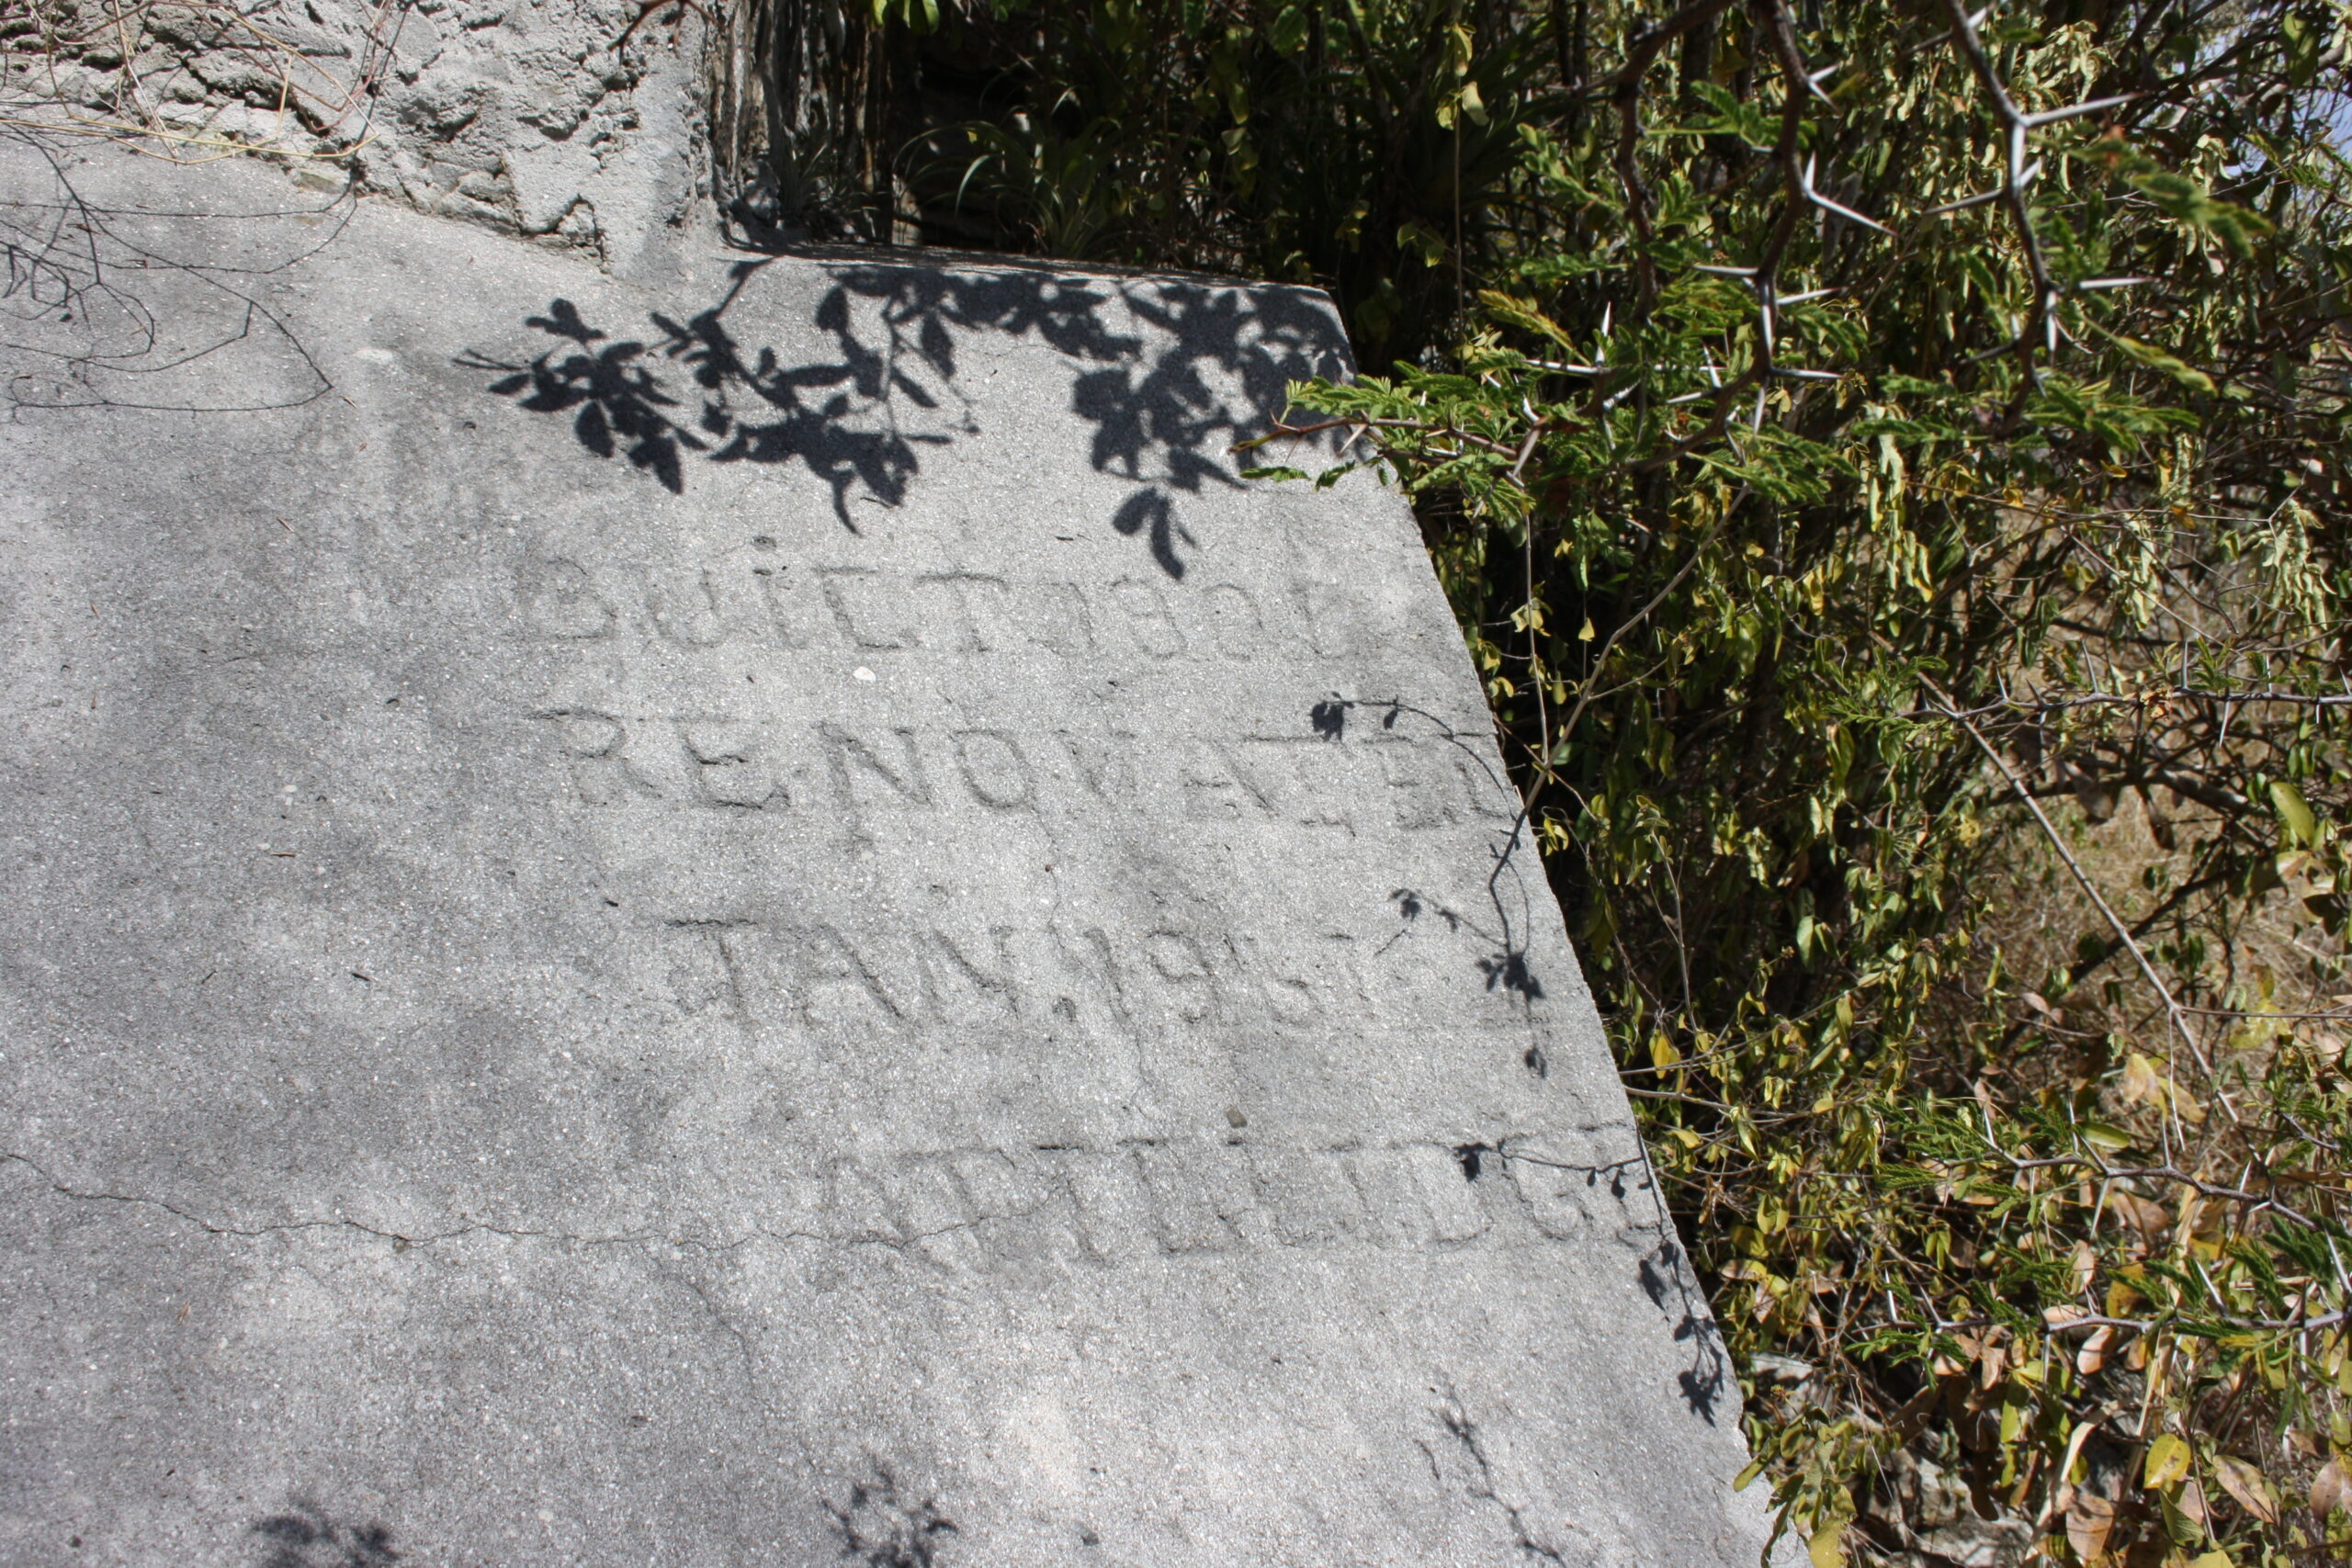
(2073, 112)
(1965, 203)
(1842, 210)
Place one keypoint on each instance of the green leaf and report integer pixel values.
(1288, 30)
(2197, 207)
(2155, 358)
(2104, 1138)
(1521, 314)
(2294, 814)
(1419, 239)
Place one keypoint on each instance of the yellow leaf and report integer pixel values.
(1662, 1051)
(2139, 1081)
(2168, 1460)
(1827, 1546)
(2216, 1558)
(2184, 1103)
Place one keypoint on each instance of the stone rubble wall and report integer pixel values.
(550, 119)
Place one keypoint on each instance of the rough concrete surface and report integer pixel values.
(769, 921)
(567, 121)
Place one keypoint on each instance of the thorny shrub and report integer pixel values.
(1901, 436)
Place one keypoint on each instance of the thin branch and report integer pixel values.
(2082, 878)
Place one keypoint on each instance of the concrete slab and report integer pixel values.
(769, 921)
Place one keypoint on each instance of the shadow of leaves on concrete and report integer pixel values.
(1169, 374)
(881, 1529)
(307, 1536)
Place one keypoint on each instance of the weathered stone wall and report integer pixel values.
(533, 118)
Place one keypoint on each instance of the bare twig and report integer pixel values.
(2082, 878)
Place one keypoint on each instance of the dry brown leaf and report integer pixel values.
(2090, 1520)
(2141, 1081)
(2149, 1218)
(2084, 1265)
(2330, 1488)
(2092, 1355)
(2244, 1483)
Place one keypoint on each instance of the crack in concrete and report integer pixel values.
(718, 1315)
(401, 1241)
(1463, 1430)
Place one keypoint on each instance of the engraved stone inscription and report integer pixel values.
(976, 1209)
(846, 980)
(756, 600)
(845, 772)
